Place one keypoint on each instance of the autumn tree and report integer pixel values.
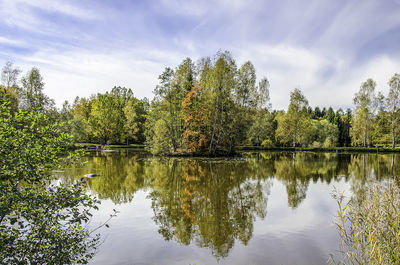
(194, 115)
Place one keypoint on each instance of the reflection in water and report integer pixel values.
(214, 202)
(209, 202)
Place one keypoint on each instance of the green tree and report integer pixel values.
(9, 87)
(80, 112)
(168, 98)
(161, 132)
(343, 122)
(245, 93)
(366, 103)
(220, 85)
(330, 115)
(292, 125)
(262, 128)
(393, 105)
(33, 97)
(135, 114)
(40, 222)
(106, 119)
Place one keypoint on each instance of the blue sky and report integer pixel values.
(325, 48)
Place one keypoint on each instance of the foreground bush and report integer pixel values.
(370, 229)
(40, 222)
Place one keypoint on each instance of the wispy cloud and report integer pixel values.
(327, 48)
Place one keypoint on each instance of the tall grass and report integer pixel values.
(370, 228)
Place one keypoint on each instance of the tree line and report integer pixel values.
(212, 106)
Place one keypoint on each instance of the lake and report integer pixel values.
(261, 208)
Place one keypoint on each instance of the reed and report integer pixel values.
(370, 228)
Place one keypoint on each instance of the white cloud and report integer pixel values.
(82, 73)
(286, 67)
(13, 42)
(23, 14)
(289, 67)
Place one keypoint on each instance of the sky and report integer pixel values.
(83, 47)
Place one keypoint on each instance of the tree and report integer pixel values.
(33, 97)
(80, 111)
(161, 132)
(330, 115)
(220, 86)
(9, 75)
(245, 95)
(262, 126)
(317, 114)
(393, 105)
(169, 100)
(40, 222)
(9, 87)
(366, 103)
(135, 114)
(194, 114)
(292, 125)
(246, 88)
(343, 122)
(107, 118)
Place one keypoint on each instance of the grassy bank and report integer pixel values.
(90, 146)
(321, 149)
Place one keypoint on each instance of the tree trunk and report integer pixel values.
(365, 137)
(393, 138)
(172, 126)
(230, 145)
(294, 139)
(213, 131)
(258, 140)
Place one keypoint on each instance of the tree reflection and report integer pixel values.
(121, 175)
(215, 202)
(211, 203)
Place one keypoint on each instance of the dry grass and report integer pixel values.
(370, 228)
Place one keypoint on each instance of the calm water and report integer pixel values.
(266, 208)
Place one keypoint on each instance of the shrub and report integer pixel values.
(40, 222)
(267, 143)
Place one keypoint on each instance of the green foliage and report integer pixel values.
(262, 128)
(33, 98)
(41, 222)
(366, 102)
(80, 112)
(370, 228)
(267, 143)
(160, 144)
(292, 125)
(9, 87)
(135, 114)
(106, 120)
(393, 106)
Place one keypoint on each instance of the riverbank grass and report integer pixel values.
(370, 229)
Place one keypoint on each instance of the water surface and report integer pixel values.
(262, 208)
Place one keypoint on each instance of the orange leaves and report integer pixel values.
(194, 116)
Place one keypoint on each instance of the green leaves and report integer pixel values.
(40, 222)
